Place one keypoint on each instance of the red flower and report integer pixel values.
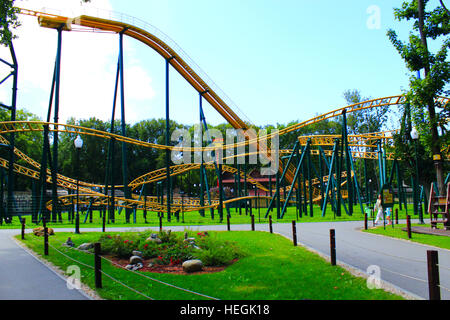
(146, 245)
(126, 241)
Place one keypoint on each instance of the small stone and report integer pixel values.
(68, 243)
(192, 266)
(150, 265)
(157, 240)
(86, 246)
(136, 260)
(129, 267)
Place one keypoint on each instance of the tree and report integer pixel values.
(8, 21)
(364, 121)
(427, 114)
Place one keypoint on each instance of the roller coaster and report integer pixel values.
(294, 166)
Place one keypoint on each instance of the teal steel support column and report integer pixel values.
(305, 152)
(347, 161)
(2, 209)
(311, 208)
(380, 165)
(11, 155)
(205, 186)
(55, 205)
(277, 193)
(126, 189)
(239, 187)
(275, 197)
(220, 194)
(338, 181)
(330, 174)
(245, 186)
(168, 177)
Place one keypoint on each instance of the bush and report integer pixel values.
(118, 246)
(216, 252)
(172, 250)
(149, 249)
(167, 237)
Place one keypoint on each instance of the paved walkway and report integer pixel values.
(402, 263)
(23, 277)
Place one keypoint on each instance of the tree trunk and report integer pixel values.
(436, 147)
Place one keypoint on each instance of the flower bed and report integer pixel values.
(166, 251)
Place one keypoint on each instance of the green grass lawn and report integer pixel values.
(272, 269)
(396, 232)
(194, 218)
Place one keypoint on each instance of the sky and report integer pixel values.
(278, 60)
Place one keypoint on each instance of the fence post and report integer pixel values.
(23, 228)
(408, 225)
(396, 215)
(160, 223)
(228, 223)
(294, 233)
(46, 241)
(433, 275)
(98, 265)
(365, 221)
(333, 247)
(270, 224)
(253, 222)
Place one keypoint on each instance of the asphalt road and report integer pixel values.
(400, 263)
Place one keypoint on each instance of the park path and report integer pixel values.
(401, 263)
(23, 277)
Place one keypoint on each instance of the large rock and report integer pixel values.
(85, 246)
(39, 231)
(136, 260)
(192, 266)
(137, 253)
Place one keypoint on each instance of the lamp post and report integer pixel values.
(417, 204)
(78, 144)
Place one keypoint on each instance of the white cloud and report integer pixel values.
(88, 68)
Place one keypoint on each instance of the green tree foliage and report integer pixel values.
(427, 114)
(8, 21)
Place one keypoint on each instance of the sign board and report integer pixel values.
(387, 196)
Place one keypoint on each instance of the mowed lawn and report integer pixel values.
(427, 239)
(271, 269)
(194, 218)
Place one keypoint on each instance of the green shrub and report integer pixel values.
(167, 236)
(215, 252)
(149, 249)
(118, 246)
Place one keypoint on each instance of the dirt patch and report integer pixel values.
(172, 269)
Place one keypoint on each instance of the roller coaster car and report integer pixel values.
(54, 23)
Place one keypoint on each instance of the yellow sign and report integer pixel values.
(388, 197)
(437, 157)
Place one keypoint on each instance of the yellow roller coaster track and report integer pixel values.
(183, 65)
(178, 60)
(151, 204)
